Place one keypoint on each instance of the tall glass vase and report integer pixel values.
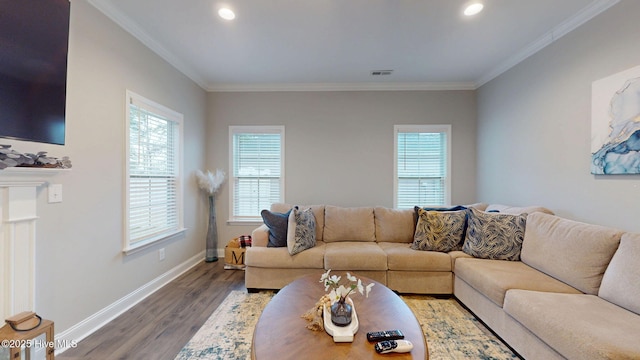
(212, 233)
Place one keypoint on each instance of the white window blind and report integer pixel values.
(422, 165)
(153, 172)
(257, 169)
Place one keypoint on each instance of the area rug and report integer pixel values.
(450, 330)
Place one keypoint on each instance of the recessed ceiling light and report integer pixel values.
(226, 14)
(473, 9)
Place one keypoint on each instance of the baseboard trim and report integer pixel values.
(88, 326)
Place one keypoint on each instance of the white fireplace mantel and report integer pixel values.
(18, 216)
(26, 176)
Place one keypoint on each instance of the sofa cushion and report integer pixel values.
(277, 223)
(354, 255)
(573, 252)
(301, 234)
(515, 210)
(621, 280)
(455, 255)
(318, 214)
(439, 230)
(494, 236)
(493, 278)
(279, 258)
(577, 326)
(348, 224)
(401, 257)
(394, 225)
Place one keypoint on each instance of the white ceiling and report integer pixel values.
(335, 44)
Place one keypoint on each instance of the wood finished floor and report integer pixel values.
(159, 326)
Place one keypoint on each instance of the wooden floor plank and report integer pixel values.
(160, 325)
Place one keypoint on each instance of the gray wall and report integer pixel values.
(534, 125)
(339, 145)
(80, 265)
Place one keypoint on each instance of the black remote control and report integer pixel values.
(384, 335)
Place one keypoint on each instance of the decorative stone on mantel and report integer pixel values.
(18, 216)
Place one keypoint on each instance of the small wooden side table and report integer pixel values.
(18, 340)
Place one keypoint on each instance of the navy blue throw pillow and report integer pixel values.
(453, 208)
(277, 224)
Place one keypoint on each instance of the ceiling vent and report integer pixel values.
(381, 72)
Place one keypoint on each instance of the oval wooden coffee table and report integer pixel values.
(281, 333)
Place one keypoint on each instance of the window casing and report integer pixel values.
(422, 165)
(153, 173)
(257, 170)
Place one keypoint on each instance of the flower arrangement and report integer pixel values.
(210, 182)
(339, 292)
(335, 300)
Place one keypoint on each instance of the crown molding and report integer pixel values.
(131, 27)
(364, 86)
(592, 10)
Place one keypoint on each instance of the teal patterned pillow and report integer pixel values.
(439, 230)
(301, 233)
(494, 235)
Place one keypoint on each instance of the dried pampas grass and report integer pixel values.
(210, 182)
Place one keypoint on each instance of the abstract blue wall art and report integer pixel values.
(615, 123)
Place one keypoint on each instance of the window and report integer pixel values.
(257, 172)
(422, 165)
(154, 173)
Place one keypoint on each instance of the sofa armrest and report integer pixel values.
(260, 236)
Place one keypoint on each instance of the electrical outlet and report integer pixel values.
(161, 254)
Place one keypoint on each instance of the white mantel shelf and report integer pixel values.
(28, 176)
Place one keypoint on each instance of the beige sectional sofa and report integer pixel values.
(372, 241)
(574, 293)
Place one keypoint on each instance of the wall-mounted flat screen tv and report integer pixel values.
(34, 40)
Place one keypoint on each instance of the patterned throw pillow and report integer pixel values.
(439, 230)
(494, 235)
(277, 224)
(301, 234)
